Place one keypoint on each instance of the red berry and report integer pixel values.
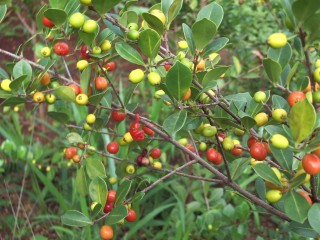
(311, 164)
(155, 153)
(108, 207)
(167, 66)
(70, 152)
(251, 141)
(84, 52)
(132, 216)
(110, 66)
(236, 151)
(101, 83)
(61, 48)
(258, 151)
(111, 196)
(147, 130)
(118, 116)
(190, 147)
(46, 22)
(214, 156)
(113, 147)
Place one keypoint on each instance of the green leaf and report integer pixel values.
(74, 138)
(16, 84)
(98, 190)
(314, 217)
(57, 16)
(4, 94)
(58, 3)
(117, 214)
(283, 156)
(174, 10)
(215, 46)
(96, 99)
(88, 38)
(154, 23)
(103, 6)
(281, 55)
(137, 197)
(238, 166)
(302, 119)
(260, 187)
(75, 219)
(85, 79)
(128, 17)
(203, 31)
(265, 172)
(123, 191)
(81, 182)
(302, 9)
(65, 93)
(95, 168)
(273, 69)
(280, 102)
(3, 11)
(213, 12)
(59, 116)
(12, 101)
(22, 68)
(296, 207)
(189, 38)
(214, 74)
(175, 122)
(311, 27)
(291, 73)
(149, 43)
(178, 80)
(303, 229)
(129, 53)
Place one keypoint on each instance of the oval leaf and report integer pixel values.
(65, 93)
(59, 116)
(57, 16)
(188, 36)
(273, 69)
(129, 53)
(81, 182)
(149, 43)
(213, 11)
(123, 191)
(296, 207)
(75, 219)
(22, 68)
(203, 31)
(314, 217)
(178, 80)
(265, 172)
(302, 119)
(175, 122)
(95, 168)
(103, 6)
(3, 11)
(98, 190)
(117, 214)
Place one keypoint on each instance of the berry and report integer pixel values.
(70, 152)
(106, 232)
(5, 85)
(111, 196)
(110, 66)
(273, 196)
(311, 164)
(136, 76)
(101, 83)
(154, 78)
(108, 207)
(277, 40)
(38, 97)
(132, 216)
(118, 116)
(84, 52)
(279, 141)
(61, 48)
(258, 151)
(259, 97)
(295, 97)
(261, 118)
(91, 118)
(82, 99)
(147, 130)
(76, 20)
(105, 45)
(47, 23)
(155, 153)
(113, 147)
(89, 26)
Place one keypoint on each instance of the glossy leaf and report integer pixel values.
(203, 31)
(96, 99)
(98, 190)
(175, 122)
(189, 38)
(302, 118)
(238, 166)
(95, 168)
(81, 182)
(281, 55)
(117, 214)
(273, 69)
(291, 73)
(85, 79)
(174, 10)
(88, 38)
(60, 4)
(75, 219)
(283, 156)
(265, 172)
(314, 217)
(149, 43)
(280, 102)
(128, 17)
(215, 46)
(59, 116)
(296, 207)
(16, 84)
(74, 138)
(260, 187)
(154, 23)
(103, 6)
(3, 11)
(214, 74)
(123, 191)
(178, 80)
(212, 11)
(129, 53)
(55, 15)
(303, 229)
(65, 93)
(302, 9)
(22, 68)
(12, 101)
(137, 197)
